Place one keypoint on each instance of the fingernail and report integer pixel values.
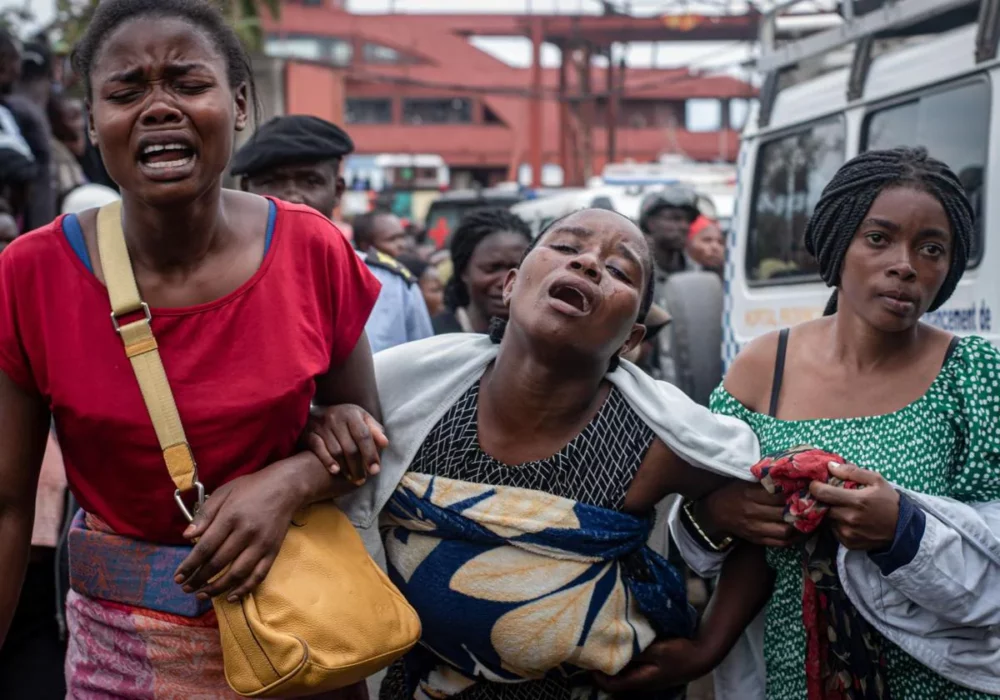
(188, 589)
(233, 599)
(179, 578)
(373, 469)
(203, 596)
(189, 531)
(834, 464)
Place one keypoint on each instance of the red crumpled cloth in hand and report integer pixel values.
(790, 473)
(844, 656)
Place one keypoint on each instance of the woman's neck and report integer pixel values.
(174, 240)
(861, 347)
(531, 393)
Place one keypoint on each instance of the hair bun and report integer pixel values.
(497, 328)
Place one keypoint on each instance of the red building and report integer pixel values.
(415, 84)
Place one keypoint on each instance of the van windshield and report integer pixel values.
(792, 171)
(953, 124)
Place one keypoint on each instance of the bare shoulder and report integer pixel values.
(247, 212)
(749, 377)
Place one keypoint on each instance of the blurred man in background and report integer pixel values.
(297, 158)
(27, 98)
(382, 231)
(665, 216)
(17, 161)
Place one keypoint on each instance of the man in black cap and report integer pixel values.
(297, 158)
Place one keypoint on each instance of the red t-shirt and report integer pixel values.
(242, 368)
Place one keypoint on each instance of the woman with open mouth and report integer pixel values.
(258, 310)
(520, 480)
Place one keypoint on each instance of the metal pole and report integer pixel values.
(587, 125)
(535, 116)
(563, 116)
(612, 114)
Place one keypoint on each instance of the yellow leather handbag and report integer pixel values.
(326, 616)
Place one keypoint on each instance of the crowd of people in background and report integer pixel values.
(268, 310)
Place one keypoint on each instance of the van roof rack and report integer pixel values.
(861, 28)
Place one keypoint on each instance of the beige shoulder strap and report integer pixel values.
(142, 351)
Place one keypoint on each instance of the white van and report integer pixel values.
(937, 91)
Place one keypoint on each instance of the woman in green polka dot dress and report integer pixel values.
(912, 405)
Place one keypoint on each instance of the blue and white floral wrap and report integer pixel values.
(513, 584)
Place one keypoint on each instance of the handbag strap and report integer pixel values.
(143, 353)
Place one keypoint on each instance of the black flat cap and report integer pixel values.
(296, 138)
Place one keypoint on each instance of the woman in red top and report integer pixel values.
(259, 310)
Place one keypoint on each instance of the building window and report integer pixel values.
(643, 114)
(490, 117)
(311, 48)
(739, 111)
(437, 111)
(368, 111)
(376, 53)
(792, 171)
(340, 52)
(953, 124)
(703, 115)
(303, 47)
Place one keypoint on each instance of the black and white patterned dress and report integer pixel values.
(597, 468)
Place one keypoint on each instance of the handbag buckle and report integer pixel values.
(199, 488)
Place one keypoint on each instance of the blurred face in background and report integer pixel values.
(493, 258)
(433, 290)
(389, 236)
(708, 248)
(10, 64)
(668, 227)
(66, 117)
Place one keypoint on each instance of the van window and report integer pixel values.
(953, 125)
(792, 171)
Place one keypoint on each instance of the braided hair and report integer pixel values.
(849, 196)
(474, 228)
(498, 325)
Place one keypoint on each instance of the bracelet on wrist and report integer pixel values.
(698, 533)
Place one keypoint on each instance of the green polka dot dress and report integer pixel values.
(946, 443)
